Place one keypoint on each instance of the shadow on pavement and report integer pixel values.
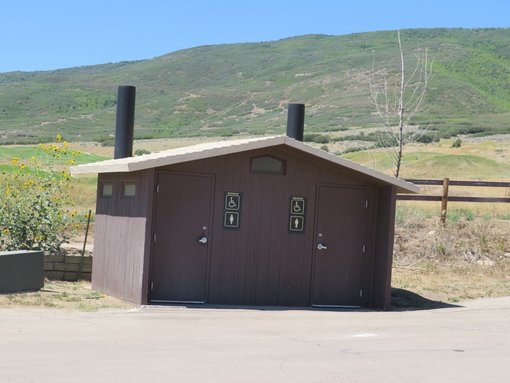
(401, 300)
(405, 300)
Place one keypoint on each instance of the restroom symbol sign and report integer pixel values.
(296, 223)
(231, 220)
(232, 201)
(297, 205)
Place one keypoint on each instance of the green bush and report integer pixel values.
(316, 137)
(141, 152)
(426, 138)
(457, 143)
(36, 201)
(321, 139)
(354, 149)
(457, 214)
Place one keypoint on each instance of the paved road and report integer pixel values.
(175, 344)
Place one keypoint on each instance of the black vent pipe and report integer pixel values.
(296, 121)
(125, 121)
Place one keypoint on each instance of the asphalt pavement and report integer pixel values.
(469, 343)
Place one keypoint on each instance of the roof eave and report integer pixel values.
(156, 160)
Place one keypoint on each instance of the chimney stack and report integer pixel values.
(125, 121)
(296, 121)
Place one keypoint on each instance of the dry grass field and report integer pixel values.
(453, 262)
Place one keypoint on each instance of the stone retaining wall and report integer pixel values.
(65, 267)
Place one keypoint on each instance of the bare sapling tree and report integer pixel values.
(398, 97)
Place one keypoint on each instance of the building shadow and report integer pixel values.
(401, 300)
(405, 300)
(210, 306)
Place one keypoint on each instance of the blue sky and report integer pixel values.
(52, 34)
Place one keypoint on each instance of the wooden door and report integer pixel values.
(181, 249)
(340, 245)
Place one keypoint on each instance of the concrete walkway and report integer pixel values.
(174, 344)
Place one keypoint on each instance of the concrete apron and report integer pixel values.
(470, 343)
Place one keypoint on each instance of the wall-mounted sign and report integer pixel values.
(297, 205)
(231, 220)
(232, 201)
(297, 214)
(297, 223)
(232, 211)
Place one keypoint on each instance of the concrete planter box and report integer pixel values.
(21, 271)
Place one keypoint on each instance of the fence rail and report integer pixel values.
(444, 198)
(460, 183)
(410, 197)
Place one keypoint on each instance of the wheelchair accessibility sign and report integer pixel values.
(232, 201)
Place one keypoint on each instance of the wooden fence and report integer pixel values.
(445, 197)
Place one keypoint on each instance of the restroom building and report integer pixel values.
(259, 221)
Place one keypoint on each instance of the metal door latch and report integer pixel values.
(320, 246)
(203, 240)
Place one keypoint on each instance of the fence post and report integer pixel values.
(444, 200)
(85, 242)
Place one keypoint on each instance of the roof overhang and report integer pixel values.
(215, 149)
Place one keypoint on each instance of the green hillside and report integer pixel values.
(229, 89)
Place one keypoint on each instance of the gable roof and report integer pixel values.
(220, 148)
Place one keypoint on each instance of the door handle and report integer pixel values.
(320, 246)
(203, 240)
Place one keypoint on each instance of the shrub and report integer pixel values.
(315, 137)
(36, 201)
(426, 138)
(321, 139)
(308, 137)
(141, 152)
(457, 143)
(354, 149)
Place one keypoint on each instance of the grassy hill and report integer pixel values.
(225, 90)
(487, 160)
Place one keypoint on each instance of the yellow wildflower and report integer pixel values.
(59, 138)
(15, 161)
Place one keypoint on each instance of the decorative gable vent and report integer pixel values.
(267, 165)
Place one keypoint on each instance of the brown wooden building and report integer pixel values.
(263, 221)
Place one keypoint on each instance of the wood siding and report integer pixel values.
(122, 237)
(263, 263)
(384, 236)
